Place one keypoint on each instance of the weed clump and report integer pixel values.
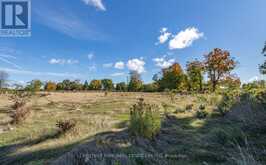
(201, 113)
(145, 120)
(65, 126)
(20, 112)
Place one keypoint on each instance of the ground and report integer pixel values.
(102, 122)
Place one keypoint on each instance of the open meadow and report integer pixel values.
(101, 127)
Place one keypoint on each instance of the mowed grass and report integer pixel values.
(35, 141)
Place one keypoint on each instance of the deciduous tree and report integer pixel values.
(263, 66)
(135, 83)
(107, 84)
(218, 64)
(96, 85)
(195, 71)
(50, 86)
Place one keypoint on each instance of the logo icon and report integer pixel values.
(15, 18)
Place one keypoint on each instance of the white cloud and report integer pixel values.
(117, 74)
(33, 73)
(62, 61)
(90, 56)
(185, 38)
(96, 3)
(164, 36)
(108, 65)
(163, 62)
(92, 68)
(119, 65)
(136, 65)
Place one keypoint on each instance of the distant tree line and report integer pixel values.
(216, 66)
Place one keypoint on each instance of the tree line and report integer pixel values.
(216, 66)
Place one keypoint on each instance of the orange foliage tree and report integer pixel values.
(218, 64)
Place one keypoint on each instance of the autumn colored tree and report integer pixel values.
(135, 83)
(34, 85)
(107, 84)
(171, 77)
(50, 86)
(218, 64)
(96, 85)
(263, 66)
(195, 71)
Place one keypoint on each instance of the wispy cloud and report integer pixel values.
(33, 73)
(108, 65)
(96, 3)
(117, 74)
(62, 61)
(65, 21)
(119, 65)
(92, 68)
(90, 56)
(163, 62)
(7, 55)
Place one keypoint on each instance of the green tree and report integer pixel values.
(135, 83)
(263, 66)
(34, 86)
(95, 85)
(152, 87)
(107, 84)
(122, 87)
(218, 64)
(86, 85)
(195, 71)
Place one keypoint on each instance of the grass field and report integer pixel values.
(102, 120)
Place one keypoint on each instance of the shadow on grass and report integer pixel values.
(181, 141)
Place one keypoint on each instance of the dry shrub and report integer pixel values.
(19, 115)
(21, 111)
(65, 126)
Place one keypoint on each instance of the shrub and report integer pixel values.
(19, 115)
(145, 120)
(65, 125)
(201, 114)
(21, 111)
(226, 104)
(261, 98)
(189, 107)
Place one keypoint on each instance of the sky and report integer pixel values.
(95, 39)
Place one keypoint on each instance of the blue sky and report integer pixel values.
(94, 39)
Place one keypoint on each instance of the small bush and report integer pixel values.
(66, 125)
(201, 114)
(226, 104)
(261, 98)
(21, 111)
(189, 107)
(19, 115)
(145, 120)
